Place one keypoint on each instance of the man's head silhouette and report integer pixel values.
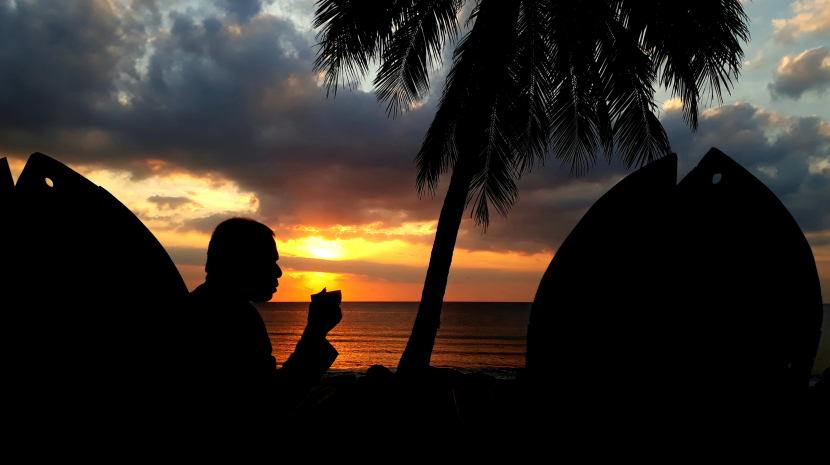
(242, 258)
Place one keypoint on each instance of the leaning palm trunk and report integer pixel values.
(473, 113)
(419, 347)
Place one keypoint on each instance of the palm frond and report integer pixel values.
(534, 77)
(628, 72)
(697, 45)
(488, 127)
(473, 14)
(533, 90)
(574, 136)
(403, 77)
(495, 170)
(438, 152)
(352, 34)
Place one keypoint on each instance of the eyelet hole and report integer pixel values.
(716, 178)
(49, 183)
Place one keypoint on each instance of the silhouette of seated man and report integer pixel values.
(237, 384)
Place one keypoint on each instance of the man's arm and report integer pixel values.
(313, 354)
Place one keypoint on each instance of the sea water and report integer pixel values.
(490, 337)
(474, 336)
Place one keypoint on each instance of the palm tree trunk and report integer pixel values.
(418, 350)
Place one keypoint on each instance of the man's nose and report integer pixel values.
(279, 271)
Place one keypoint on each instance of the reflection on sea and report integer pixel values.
(473, 334)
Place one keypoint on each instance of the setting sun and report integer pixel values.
(315, 247)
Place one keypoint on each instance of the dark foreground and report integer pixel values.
(444, 414)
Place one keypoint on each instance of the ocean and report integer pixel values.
(474, 336)
(481, 336)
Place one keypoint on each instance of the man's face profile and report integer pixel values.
(264, 275)
(242, 256)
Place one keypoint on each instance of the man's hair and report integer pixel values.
(231, 241)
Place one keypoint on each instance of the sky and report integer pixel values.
(193, 111)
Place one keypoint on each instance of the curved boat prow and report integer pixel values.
(745, 278)
(667, 303)
(94, 301)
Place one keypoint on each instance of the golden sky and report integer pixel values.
(190, 112)
(165, 202)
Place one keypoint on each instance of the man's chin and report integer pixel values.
(264, 297)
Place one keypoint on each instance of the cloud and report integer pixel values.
(796, 74)
(187, 255)
(810, 17)
(195, 256)
(209, 96)
(785, 152)
(216, 96)
(673, 104)
(243, 9)
(207, 224)
(171, 203)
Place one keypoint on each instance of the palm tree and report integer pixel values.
(530, 78)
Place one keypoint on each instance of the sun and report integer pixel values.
(316, 247)
(326, 254)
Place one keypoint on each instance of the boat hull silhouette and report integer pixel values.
(92, 298)
(745, 278)
(680, 314)
(698, 285)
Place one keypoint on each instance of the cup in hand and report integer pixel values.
(324, 312)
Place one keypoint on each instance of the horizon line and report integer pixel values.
(401, 301)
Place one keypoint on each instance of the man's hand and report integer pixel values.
(323, 313)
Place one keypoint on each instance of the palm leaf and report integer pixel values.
(489, 121)
(628, 72)
(697, 46)
(532, 90)
(403, 77)
(438, 152)
(574, 136)
(353, 33)
(495, 170)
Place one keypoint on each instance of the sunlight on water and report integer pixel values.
(472, 335)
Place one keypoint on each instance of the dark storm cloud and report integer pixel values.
(232, 96)
(784, 152)
(207, 224)
(60, 61)
(208, 95)
(149, 9)
(797, 74)
(171, 203)
(187, 255)
(243, 10)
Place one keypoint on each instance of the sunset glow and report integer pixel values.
(179, 199)
(316, 247)
(190, 114)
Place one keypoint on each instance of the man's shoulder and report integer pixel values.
(205, 297)
(200, 291)
(201, 294)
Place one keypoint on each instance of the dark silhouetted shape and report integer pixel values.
(600, 291)
(529, 80)
(745, 279)
(104, 358)
(90, 301)
(669, 303)
(238, 395)
(7, 182)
